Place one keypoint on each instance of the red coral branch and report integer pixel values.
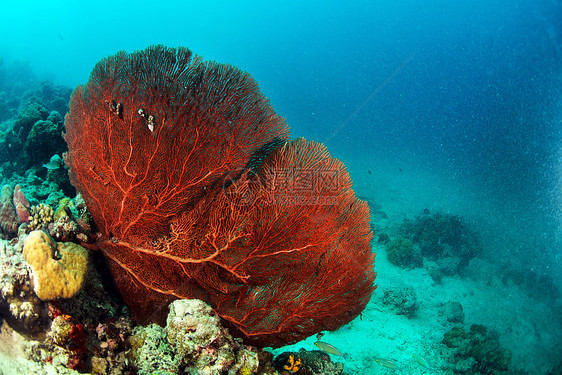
(186, 170)
(197, 136)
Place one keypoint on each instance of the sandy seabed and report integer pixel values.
(529, 328)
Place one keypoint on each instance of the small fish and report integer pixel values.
(328, 348)
(115, 108)
(54, 163)
(149, 119)
(388, 363)
(150, 123)
(50, 166)
(422, 362)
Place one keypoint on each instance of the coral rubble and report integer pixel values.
(401, 300)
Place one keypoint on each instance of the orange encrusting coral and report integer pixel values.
(187, 171)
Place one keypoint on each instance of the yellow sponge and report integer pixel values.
(59, 268)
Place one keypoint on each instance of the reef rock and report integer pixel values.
(444, 239)
(19, 306)
(193, 342)
(402, 300)
(477, 351)
(9, 220)
(195, 333)
(452, 312)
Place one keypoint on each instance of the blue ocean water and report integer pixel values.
(451, 106)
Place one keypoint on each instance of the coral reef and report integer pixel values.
(66, 333)
(477, 351)
(24, 165)
(64, 228)
(30, 114)
(32, 137)
(193, 342)
(197, 337)
(89, 332)
(59, 269)
(313, 362)
(51, 96)
(40, 216)
(384, 238)
(400, 252)
(20, 87)
(152, 352)
(65, 344)
(44, 139)
(186, 212)
(83, 337)
(15, 137)
(69, 222)
(97, 301)
(445, 239)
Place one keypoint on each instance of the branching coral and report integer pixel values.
(40, 216)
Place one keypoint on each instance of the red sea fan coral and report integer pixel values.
(187, 171)
(152, 131)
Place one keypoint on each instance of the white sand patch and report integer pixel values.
(527, 328)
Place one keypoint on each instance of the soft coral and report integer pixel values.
(206, 199)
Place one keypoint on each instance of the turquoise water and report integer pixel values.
(453, 107)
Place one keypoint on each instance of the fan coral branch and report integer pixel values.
(187, 171)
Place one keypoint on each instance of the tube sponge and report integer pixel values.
(58, 268)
